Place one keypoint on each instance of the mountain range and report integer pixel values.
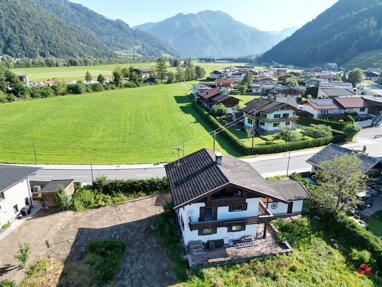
(348, 29)
(213, 34)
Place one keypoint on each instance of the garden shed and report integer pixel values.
(50, 190)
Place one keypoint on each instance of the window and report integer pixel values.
(207, 231)
(277, 116)
(362, 109)
(286, 115)
(287, 123)
(275, 125)
(250, 122)
(208, 214)
(263, 115)
(2, 196)
(236, 228)
(262, 124)
(240, 207)
(16, 208)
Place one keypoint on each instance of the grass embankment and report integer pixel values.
(312, 263)
(78, 73)
(374, 223)
(142, 125)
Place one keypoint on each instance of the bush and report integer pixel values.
(7, 283)
(317, 131)
(288, 135)
(39, 267)
(105, 256)
(339, 126)
(5, 226)
(23, 254)
(360, 257)
(297, 232)
(63, 201)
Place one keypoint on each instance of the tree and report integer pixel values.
(101, 79)
(340, 181)
(356, 76)
(247, 80)
(125, 72)
(161, 69)
(291, 82)
(190, 74)
(200, 72)
(379, 80)
(117, 77)
(23, 254)
(88, 76)
(171, 78)
(179, 74)
(243, 89)
(351, 130)
(218, 110)
(288, 134)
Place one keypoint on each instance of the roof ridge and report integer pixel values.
(219, 168)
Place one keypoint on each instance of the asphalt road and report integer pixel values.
(268, 165)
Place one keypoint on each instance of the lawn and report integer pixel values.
(374, 223)
(78, 73)
(143, 125)
(246, 99)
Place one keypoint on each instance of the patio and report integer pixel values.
(233, 255)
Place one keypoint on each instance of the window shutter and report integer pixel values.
(215, 213)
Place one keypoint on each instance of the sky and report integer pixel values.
(266, 15)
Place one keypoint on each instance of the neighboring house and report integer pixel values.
(50, 191)
(336, 85)
(328, 93)
(369, 165)
(371, 75)
(198, 89)
(332, 66)
(23, 77)
(220, 199)
(263, 87)
(217, 74)
(225, 85)
(313, 82)
(267, 117)
(143, 72)
(293, 91)
(337, 108)
(15, 191)
(214, 97)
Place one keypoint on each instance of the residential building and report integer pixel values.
(327, 93)
(198, 89)
(267, 117)
(213, 97)
(217, 74)
(335, 85)
(15, 191)
(220, 201)
(23, 77)
(293, 91)
(371, 75)
(225, 85)
(336, 108)
(144, 72)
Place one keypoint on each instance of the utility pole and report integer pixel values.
(253, 140)
(179, 149)
(91, 171)
(183, 148)
(34, 152)
(288, 163)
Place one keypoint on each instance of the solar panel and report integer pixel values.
(323, 102)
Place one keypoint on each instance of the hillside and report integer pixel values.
(28, 31)
(211, 34)
(115, 34)
(370, 59)
(345, 30)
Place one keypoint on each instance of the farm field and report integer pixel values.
(78, 73)
(142, 125)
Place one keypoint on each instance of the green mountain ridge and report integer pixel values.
(212, 34)
(347, 29)
(114, 34)
(26, 30)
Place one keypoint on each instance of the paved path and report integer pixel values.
(270, 165)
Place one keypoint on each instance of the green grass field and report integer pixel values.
(142, 125)
(78, 73)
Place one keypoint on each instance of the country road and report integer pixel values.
(270, 165)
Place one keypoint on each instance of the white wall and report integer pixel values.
(192, 211)
(282, 208)
(14, 195)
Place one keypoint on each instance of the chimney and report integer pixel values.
(218, 158)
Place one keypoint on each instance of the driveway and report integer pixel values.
(64, 237)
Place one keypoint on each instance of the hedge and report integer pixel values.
(339, 126)
(132, 186)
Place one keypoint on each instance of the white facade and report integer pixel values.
(268, 124)
(317, 114)
(192, 212)
(14, 199)
(279, 208)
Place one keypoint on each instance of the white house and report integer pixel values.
(15, 191)
(217, 74)
(222, 199)
(337, 108)
(267, 117)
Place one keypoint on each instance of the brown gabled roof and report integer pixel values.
(210, 93)
(323, 104)
(225, 82)
(218, 99)
(198, 175)
(261, 105)
(352, 102)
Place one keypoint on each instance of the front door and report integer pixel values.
(290, 207)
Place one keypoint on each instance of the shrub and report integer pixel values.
(297, 232)
(5, 226)
(105, 256)
(7, 283)
(351, 130)
(39, 267)
(317, 131)
(287, 135)
(83, 199)
(63, 201)
(339, 126)
(23, 254)
(360, 257)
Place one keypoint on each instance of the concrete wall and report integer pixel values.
(282, 208)
(16, 195)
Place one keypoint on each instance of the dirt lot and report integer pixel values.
(64, 237)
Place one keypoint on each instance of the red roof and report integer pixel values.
(226, 83)
(351, 102)
(209, 93)
(323, 105)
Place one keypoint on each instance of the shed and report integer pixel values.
(51, 189)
